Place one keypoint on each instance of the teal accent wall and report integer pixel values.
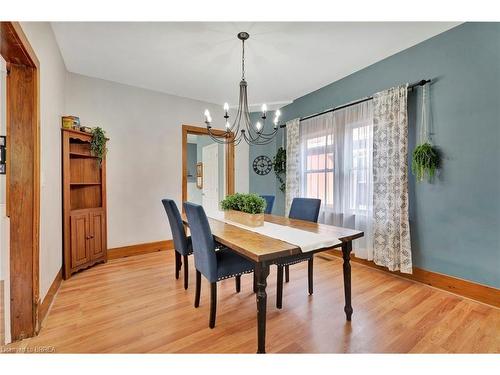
(267, 184)
(191, 161)
(455, 221)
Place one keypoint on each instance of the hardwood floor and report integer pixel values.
(135, 305)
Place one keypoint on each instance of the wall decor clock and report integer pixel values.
(262, 165)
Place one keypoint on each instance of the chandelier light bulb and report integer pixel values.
(277, 113)
(264, 108)
(258, 125)
(226, 107)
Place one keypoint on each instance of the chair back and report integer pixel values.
(205, 259)
(269, 203)
(305, 209)
(176, 226)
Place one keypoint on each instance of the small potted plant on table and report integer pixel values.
(246, 209)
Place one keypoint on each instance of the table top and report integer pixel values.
(259, 248)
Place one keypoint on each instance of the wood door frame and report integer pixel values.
(23, 117)
(229, 153)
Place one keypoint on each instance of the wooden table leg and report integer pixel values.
(346, 255)
(261, 273)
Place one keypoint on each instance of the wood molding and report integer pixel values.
(229, 151)
(49, 297)
(23, 177)
(455, 285)
(143, 248)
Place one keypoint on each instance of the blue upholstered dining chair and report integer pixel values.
(269, 203)
(182, 243)
(214, 265)
(301, 209)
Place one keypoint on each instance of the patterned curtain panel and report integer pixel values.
(391, 245)
(292, 162)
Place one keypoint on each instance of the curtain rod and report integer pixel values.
(410, 87)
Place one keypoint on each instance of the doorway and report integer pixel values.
(207, 168)
(22, 180)
(210, 186)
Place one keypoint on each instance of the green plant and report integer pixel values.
(249, 203)
(425, 161)
(98, 143)
(279, 165)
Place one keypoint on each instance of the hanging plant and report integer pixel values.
(425, 158)
(98, 143)
(279, 165)
(425, 161)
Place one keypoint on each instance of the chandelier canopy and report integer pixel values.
(242, 127)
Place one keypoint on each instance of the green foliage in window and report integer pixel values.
(279, 165)
(249, 203)
(425, 161)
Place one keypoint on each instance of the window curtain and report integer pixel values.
(336, 166)
(292, 163)
(392, 247)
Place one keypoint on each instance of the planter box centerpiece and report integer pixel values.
(245, 209)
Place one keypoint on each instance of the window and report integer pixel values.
(336, 162)
(319, 168)
(359, 167)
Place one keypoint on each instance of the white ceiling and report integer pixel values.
(284, 60)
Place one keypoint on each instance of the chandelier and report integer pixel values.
(242, 127)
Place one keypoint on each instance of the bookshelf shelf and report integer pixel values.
(84, 204)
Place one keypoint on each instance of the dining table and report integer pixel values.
(265, 250)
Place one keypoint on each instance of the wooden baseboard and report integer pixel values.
(464, 288)
(143, 248)
(49, 297)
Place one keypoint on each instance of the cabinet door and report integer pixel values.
(80, 251)
(97, 234)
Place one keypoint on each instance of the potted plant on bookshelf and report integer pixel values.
(98, 143)
(246, 209)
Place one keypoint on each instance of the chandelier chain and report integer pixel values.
(243, 61)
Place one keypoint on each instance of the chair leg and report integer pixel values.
(238, 283)
(186, 271)
(213, 304)
(279, 288)
(254, 283)
(198, 289)
(287, 274)
(310, 263)
(178, 264)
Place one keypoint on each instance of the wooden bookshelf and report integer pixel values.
(84, 204)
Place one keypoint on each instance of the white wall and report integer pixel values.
(144, 161)
(52, 76)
